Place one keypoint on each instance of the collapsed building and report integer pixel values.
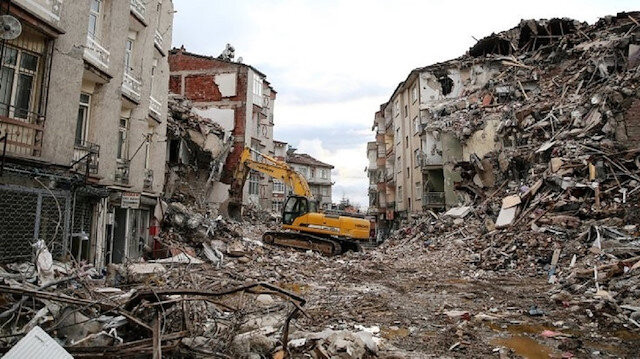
(239, 98)
(452, 131)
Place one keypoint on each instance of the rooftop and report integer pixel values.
(305, 159)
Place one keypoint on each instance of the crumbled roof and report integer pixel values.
(182, 51)
(305, 159)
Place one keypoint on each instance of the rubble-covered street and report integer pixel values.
(517, 234)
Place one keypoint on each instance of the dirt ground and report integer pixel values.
(407, 294)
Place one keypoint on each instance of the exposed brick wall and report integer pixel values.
(201, 88)
(632, 121)
(175, 84)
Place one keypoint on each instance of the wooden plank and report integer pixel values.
(11, 121)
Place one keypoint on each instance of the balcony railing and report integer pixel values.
(148, 179)
(122, 172)
(138, 9)
(96, 54)
(155, 108)
(424, 160)
(24, 130)
(157, 40)
(131, 87)
(433, 200)
(51, 8)
(85, 157)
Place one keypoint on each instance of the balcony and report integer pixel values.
(85, 157)
(49, 10)
(122, 172)
(138, 9)
(131, 87)
(24, 130)
(147, 183)
(433, 200)
(96, 54)
(155, 108)
(426, 162)
(157, 41)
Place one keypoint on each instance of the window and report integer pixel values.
(313, 172)
(325, 190)
(325, 174)
(406, 111)
(418, 190)
(147, 151)
(154, 68)
(416, 157)
(399, 193)
(416, 124)
(276, 206)
(123, 141)
(406, 142)
(414, 93)
(278, 186)
(19, 70)
(396, 108)
(257, 86)
(94, 18)
(82, 123)
(128, 56)
(254, 179)
(408, 172)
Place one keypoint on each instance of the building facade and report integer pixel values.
(317, 174)
(241, 100)
(279, 188)
(84, 111)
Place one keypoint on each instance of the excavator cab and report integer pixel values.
(295, 207)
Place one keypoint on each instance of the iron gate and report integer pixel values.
(29, 214)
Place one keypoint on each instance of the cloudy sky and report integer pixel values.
(333, 62)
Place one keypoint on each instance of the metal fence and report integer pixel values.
(28, 214)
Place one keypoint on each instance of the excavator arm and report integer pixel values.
(269, 166)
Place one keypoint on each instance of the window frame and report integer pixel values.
(79, 141)
(12, 111)
(96, 14)
(122, 152)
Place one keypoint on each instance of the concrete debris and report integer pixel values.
(540, 248)
(458, 212)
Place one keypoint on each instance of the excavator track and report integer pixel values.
(326, 246)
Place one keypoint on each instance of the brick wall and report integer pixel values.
(632, 121)
(175, 84)
(201, 88)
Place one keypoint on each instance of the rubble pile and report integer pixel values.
(197, 151)
(561, 196)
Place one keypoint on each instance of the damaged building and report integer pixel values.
(451, 129)
(239, 98)
(83, 118)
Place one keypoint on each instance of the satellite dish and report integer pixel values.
(10, 27)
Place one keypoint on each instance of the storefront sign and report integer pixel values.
(130, 200)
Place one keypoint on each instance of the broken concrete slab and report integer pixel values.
(458, 212)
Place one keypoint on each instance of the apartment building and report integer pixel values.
(241, 100)
(279, 188)
(84, 109)
(416, 152)
(317, 174)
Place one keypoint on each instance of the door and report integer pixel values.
(119, 235)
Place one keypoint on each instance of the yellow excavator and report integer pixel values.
(303, 226)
